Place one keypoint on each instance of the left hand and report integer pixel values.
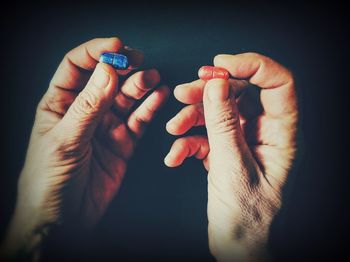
(249, 150)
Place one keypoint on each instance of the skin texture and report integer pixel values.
(85, 132)
(249, 149)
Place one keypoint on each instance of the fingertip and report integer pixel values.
(115, 43)
(108, 69)
(135, 56)
(201, 72)
(112, 74)
(185, 94)
(165, 89)
(177, 153)
(177, 92)
(169, 161)
(217, 89)
(111, 84)
(151, 77)
(171, 127)
(163, 92)
(220, 58)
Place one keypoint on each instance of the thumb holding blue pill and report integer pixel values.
(118, 61)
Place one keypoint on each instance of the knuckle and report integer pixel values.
(88, 103)
(181, 144)
(149, 113)
(139, 88)
(225, 121)
(254, 54)
(141, 123)
(65, 147)
(67, 57)
(43, 104)
(260, 59)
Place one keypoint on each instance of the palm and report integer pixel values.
(106, 165)
(98, 165)
(95, 170)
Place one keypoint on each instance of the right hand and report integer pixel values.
(85, 132)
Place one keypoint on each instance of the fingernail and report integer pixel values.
(100, 77)
(217, 90)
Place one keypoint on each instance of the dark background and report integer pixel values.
(160, 213)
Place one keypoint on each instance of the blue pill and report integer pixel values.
(118, 61)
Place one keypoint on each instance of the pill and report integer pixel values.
(118, 61)
(210, 72)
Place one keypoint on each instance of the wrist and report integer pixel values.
(28, 226)
(23, 239)
(235, 232)
(238, 244)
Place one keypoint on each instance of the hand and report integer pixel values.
(85, 132)
(252, 143)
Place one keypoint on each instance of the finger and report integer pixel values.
(82, 117)
(142, 116)
(278, 93)
(75, 68)
(188, 117)
(134, 88)
(192, 93)
(227, 144)
(135, 59)
(187, 147)
(273, 132)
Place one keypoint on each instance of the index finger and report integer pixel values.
(75, 68)
(278, 95)
(192, 93)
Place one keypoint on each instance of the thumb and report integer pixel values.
(83, 116)
(228, 149)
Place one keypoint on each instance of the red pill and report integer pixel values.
(210, 72)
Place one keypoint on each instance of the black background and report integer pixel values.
(161, 212)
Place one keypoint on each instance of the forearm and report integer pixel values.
(26, 231)
(23, 240)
